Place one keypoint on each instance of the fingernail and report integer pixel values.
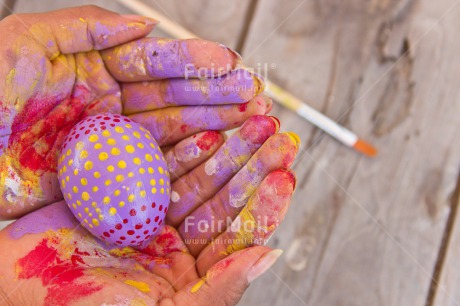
(259, 84)
(277, 122)
(292, 177)
(237, 59)
(141, 19)
(263, 264)
(269, 104)
(296, 138)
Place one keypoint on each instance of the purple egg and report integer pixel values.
(114, 179)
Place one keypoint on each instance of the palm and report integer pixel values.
(54, 82)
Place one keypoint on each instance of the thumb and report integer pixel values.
(226, 281)
(82, 29)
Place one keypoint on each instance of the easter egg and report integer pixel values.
(114, 179)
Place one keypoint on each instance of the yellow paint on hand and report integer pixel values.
(198, 285)
(141, 286)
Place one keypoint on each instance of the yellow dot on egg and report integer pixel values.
(75, 171)
(148, 157)
(101, 217)
(152, 145)
(153, 182)
(64, 169)
(63, 183)
(122, 164)
(150, 169)
(79, 214)
(69, 196)
(130, 174)
(115, 151)
(85, 196)
(128, 125)
(98, 210)
(160, 169)
(106, 200)
(141, 170)
(157, 157)
(93, 138)
(142, 129)
(98, 146)
(103, 156)
(136, 160)
(83, 154)
(106, 133)
(116, 193)
(74, 206)
(84, 181)
(139, 184)
(70, 162)
(95, 188)
(154, 190)
(88, 165)
(97, 174)
(95, 222)
(75, 189)
(86, 210)
(94, 204)
(121, 204)
(67, 178)
(140, 145)
(142, 193)
(119, 178)
(107, 182)
(131, 198)
(162, 190)
(162, 181)
(90, 225)
(80, 145)
(125, 137)
(147, 135)
(119, 129)
(137, 134)
(111, 142)
(129, 149)
(78, 202)
(112, 211)
(68, 152)
(110, 168)
(86, 221)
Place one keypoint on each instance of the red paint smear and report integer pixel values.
(258, 128)
(164, 244)
(208, 140)
(183, 128)
(46, 120)
(243, 107)
(58, 275)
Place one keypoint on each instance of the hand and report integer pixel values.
(47, 257)
(59, 67)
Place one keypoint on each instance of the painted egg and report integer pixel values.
(114, 179)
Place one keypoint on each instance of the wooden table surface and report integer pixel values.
(382, 231)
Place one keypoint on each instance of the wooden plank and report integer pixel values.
(363, 231)
(6, 7)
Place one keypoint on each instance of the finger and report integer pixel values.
(81, 29)
(191, 152)
(226, 281)
(171, 125)
(256, 222)
(204, 181)
(237, 86)
(156, 58)
(210, 219)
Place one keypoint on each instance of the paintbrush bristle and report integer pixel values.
(365, 148)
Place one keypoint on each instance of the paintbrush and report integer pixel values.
(278, 94)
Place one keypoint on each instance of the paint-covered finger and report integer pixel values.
(203, 182)
(277, 152)
(156, 58)
(168, 126)
(237, 86)
(256, 222)
(191, 152)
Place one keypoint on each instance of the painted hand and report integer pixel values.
(58, 67)
(197, 259)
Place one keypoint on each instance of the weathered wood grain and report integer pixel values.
(363, 231)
